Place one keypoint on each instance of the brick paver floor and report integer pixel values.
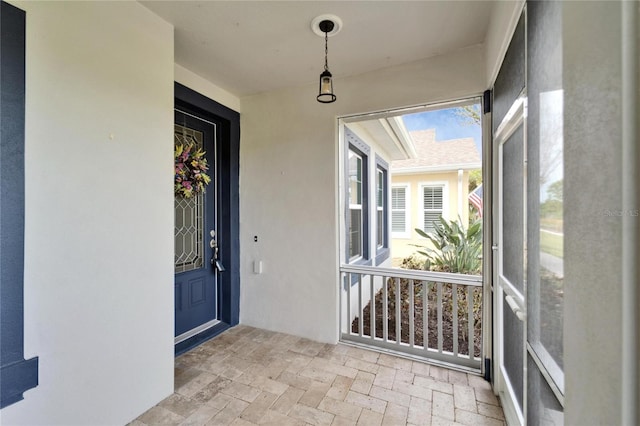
(249, 376)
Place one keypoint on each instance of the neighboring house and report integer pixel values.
(432, 184)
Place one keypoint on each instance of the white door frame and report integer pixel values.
(515, 119)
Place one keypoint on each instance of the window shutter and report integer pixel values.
(398, 198)
(398, 222)
(432, 198)
(432, 206)
(429, 219)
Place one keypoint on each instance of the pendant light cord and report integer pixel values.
(326, 51)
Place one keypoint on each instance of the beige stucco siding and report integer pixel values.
(402, 245)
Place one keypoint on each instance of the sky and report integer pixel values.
(447, 123)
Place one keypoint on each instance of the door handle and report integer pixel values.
(515, 308)
(214, 246)
(217, 264)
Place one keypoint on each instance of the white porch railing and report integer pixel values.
(431, 315)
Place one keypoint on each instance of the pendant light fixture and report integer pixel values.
(325, 25)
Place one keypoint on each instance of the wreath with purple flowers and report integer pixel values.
(190, 170)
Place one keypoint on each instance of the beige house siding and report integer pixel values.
(402, 246)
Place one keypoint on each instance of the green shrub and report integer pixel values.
(456, 249)
(413, 262)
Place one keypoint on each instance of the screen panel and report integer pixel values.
(512, 212)
(543, 407)
(511, 78)
(545, 238)
(513, 353)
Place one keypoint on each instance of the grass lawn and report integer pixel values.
(551, 243)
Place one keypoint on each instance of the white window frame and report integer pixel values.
(407, 211)
(445, 199)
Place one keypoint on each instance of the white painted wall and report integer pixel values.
(206, 88)
(99, 212)
(289, 181)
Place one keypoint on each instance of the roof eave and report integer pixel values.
(435, 169)
(402, 136)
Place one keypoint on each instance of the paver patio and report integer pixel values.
(249, 376)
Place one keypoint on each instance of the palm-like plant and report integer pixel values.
(456, 249)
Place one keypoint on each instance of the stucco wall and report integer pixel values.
(289, 180)
(599, 155)
(99, 212)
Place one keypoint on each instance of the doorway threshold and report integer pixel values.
(198, 335)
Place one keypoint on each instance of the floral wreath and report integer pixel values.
(190, 171)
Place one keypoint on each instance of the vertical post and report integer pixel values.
(372, 310)
(348, 319)
(385, 310)
(425, 314)
(439, 286)
(454, 314)
(412, 314)
(360, 319)
(398, 316)
(472, 337)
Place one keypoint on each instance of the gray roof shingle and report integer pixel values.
(433, 153)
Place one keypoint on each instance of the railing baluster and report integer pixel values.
(398, 317)
(412, 314)
(385, 310)
(444, 348)
(349, 327)
(372, 309)
(439, 317)
(340, 304)
(360, 321)
(472, 337)
(425, 314)
(454, 313)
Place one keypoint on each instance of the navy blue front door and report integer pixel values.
(196, 238)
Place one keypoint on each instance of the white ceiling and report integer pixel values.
(247, 47)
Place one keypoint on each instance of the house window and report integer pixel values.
(432, 205)
(382, 209)
(400, 211)
(357, 199)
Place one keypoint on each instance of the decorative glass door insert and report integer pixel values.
(189, 213)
